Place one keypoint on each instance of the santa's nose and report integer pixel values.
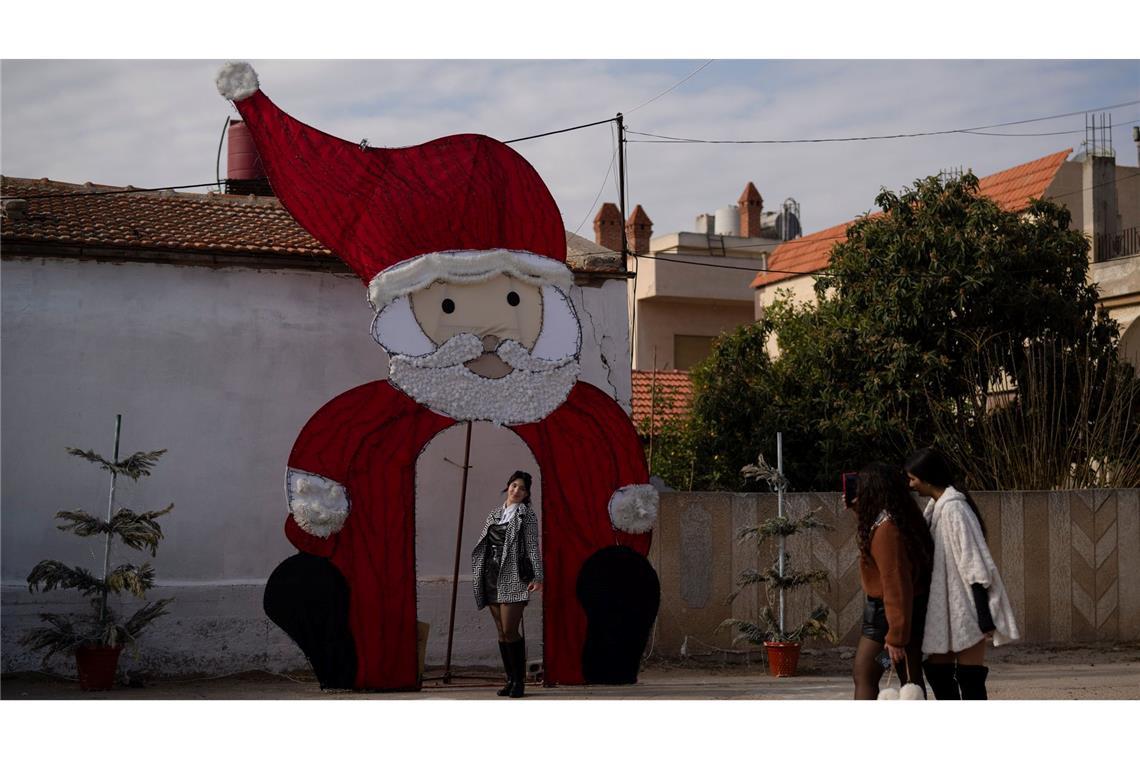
(491, 342)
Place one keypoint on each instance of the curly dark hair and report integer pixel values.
(884, 488)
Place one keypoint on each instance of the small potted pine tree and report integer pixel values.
(781, 643)
(97, 637)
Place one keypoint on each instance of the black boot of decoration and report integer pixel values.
(308, 598)
(620, 593)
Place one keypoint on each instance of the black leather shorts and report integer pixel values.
(875, 618)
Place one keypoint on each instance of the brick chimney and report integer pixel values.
(244, 173)
(750, 204)
(638, 230)
(607, 227)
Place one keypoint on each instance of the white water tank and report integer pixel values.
(705, 224)
(727, 221)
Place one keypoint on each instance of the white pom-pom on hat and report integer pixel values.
(237, 81)
(633, 509)
(889, 693)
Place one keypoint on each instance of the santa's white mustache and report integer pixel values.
(466, 347)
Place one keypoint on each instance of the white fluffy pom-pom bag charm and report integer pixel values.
(912, 691)
(889, 692)
(909, 691)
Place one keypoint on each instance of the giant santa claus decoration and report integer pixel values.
(462, 250)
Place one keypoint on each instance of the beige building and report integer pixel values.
(1102, 197)
(686, 288)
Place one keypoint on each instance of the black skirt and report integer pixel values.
(492, 562)
(875, 618)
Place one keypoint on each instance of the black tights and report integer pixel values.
(507, 619)
(867, 672)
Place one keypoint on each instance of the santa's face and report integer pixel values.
(502, 308)
(500, 349)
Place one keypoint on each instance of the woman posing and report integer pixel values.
(895, 553)
(507, 568)
(968, 603)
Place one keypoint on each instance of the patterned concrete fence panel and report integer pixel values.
(1070, 561)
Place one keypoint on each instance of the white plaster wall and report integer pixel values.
(222, 367)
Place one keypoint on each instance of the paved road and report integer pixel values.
(1106, 678)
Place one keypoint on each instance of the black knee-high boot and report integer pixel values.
(508, 668)
(972, 679)
(518, 670)
(942, 679)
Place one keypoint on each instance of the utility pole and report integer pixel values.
(621, 190)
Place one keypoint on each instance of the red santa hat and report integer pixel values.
(462, 208)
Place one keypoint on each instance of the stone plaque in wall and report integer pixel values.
(696, 556)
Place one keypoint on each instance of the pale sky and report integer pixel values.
(154, 123)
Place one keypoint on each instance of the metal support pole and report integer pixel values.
(458, 548)
(780, 513)
(110, 514)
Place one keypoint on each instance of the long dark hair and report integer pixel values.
(883, 488)
(525, 478)
(931, 466)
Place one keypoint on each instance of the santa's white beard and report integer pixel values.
(439, 381)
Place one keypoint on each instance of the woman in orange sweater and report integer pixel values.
(895, 556)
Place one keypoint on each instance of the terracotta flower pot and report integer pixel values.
(97, 666)
(783, 656)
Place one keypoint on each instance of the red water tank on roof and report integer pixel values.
(242, 161)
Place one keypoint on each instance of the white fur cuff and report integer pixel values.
(318, 505)
(237, 81)
(633, 509)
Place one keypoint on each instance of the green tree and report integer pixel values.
(912, 297)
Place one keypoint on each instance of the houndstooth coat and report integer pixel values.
(511, 587)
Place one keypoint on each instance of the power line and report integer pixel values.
(686, 79)
(559, 131)
(1043, 134)
(965, 130)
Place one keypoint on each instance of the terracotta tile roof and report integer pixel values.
(674, 393)
(70, 215)
(809, 253)
(1011, 189)
(189, 222)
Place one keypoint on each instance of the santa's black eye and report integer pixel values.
(448, 306)
(513, 298)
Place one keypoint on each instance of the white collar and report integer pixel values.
(507, 512)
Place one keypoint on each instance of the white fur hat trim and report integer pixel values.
(318, 505)
(633, 509)
(465, 267)
(237, 81)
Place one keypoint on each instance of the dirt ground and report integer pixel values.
(1098, 671)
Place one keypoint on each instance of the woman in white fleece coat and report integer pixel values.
(967, 602)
